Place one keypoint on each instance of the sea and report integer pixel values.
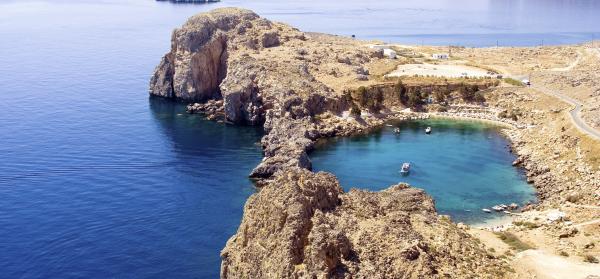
(98, 180)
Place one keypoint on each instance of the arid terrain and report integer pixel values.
(234, 66)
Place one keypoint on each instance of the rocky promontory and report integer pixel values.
(236, 66)
(249, 65)
(303, 225)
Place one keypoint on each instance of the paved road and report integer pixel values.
(575, 113)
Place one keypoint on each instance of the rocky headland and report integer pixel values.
(303, 225)
(234, 66)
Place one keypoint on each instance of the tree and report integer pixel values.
(400, 90)
(440, 96)
(360, 95)
(479, 97)
(414, 98)
(355, 110)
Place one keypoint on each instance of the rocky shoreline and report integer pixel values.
(234, 66)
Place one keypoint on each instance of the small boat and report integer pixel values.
(405, 168)
(513, 206)
(397, 130)
(497, 208)
(486, 210)
(506, 212)
(428, 130)
(389, 125)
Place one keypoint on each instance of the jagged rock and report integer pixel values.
(241, 67)
(270, 39)
(302, 225)
(567, 232)
(196, 64)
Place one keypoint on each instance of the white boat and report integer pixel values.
(397, 130)
(486, 210)
(428, 130)
(513, 206)
(497, 208)
(405, 168)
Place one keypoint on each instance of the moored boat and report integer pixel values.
(486, 210)
(428, 130)
(405, 168)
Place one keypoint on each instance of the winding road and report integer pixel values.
(575, 113)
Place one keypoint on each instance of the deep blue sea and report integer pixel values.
(100, 181)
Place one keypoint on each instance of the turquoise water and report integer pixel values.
(465, 166)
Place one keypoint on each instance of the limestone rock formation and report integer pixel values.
(248, 70)
(196, 64)
(248, 62)
(303, 225)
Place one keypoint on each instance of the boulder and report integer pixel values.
(270, 39)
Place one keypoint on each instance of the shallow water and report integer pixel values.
(97, 180)
(464, 165)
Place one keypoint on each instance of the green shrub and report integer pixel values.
(479, 97)
(355, 110)
(529, 225)
(513, 241)
(513, 81)
(415, 98)
(574, 198)
(590, 259)
(440, 96)
(400, 91)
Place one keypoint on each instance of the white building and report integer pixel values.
(387, 51)
(443, 56)
(390, 53)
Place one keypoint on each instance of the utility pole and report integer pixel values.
(497, 44)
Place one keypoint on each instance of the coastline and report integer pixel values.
(311, 96)
(495, 223)
(473, 118)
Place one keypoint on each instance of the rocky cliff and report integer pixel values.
(249, 70)
(303, 225)
(260, 73)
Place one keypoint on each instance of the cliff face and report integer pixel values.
(249, 70)
(196, 64)
(262, 74)
(302, 225)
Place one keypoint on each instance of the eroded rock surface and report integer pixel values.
(303, 225)
(248, 70)
(260, 74)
